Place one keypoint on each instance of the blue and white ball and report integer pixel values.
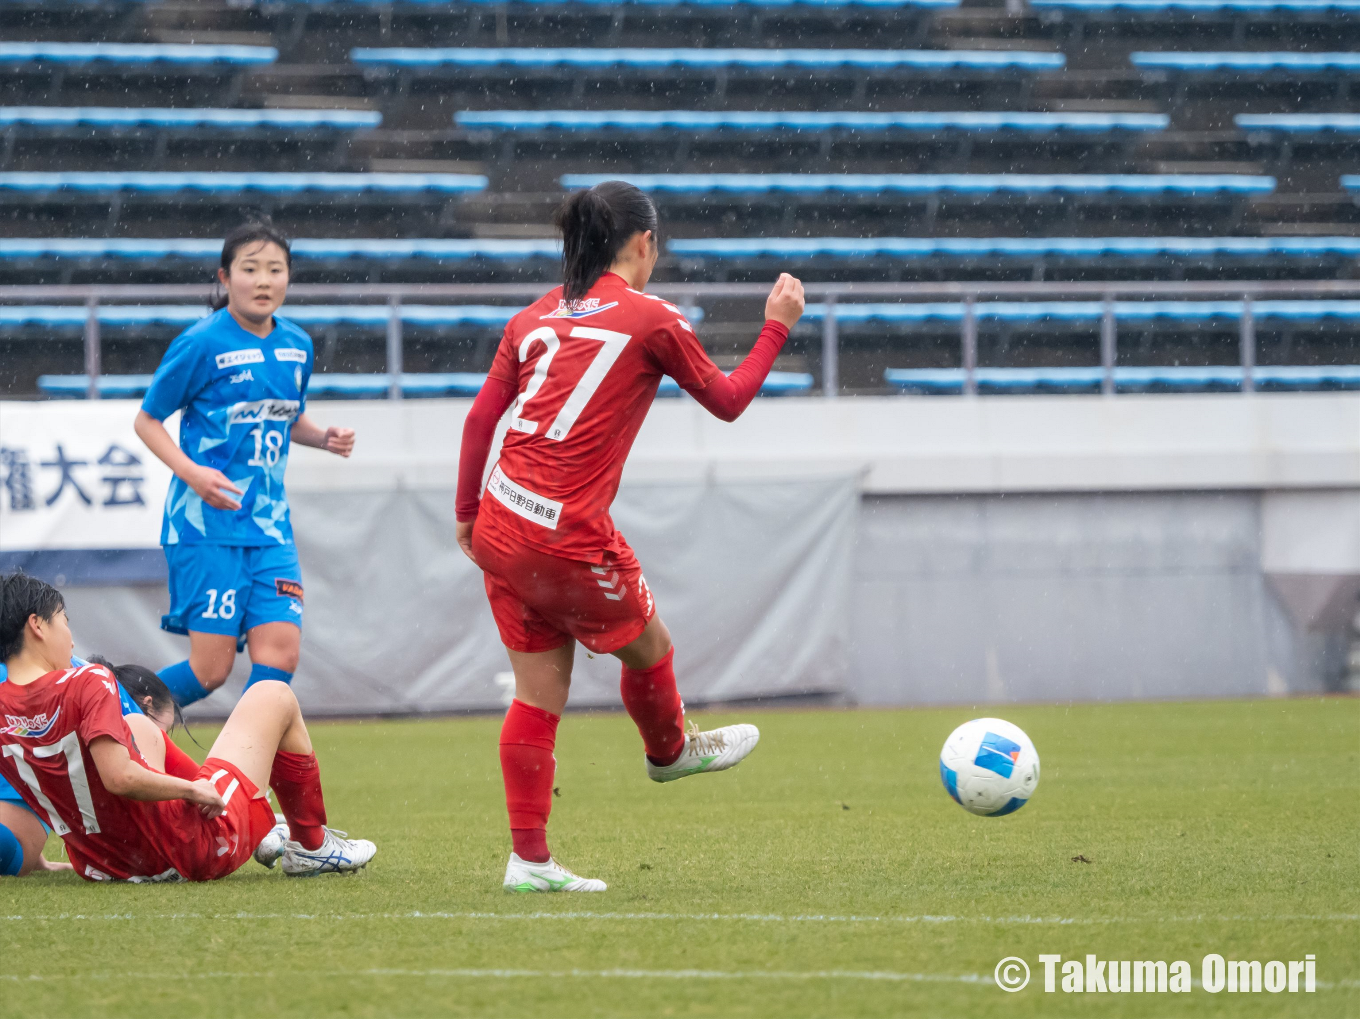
(989, 767)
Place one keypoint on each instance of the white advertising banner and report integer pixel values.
(80, 495)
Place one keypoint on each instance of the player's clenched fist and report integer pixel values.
(785, 303)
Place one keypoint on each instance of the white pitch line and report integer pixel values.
(703, 917)
(516, 974)
(561, 974)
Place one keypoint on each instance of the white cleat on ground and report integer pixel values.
(523, 876)
(271, 846)
(336, 855)
(716, 750)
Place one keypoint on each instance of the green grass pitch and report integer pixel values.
(829, 875)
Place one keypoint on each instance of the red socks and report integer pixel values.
(527, 765)
(296, 780)
(178, 764)
(654, 705)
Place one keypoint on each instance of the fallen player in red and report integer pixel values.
(136, 807)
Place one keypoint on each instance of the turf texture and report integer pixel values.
(829, 875)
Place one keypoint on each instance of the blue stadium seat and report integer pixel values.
(1198, 6)
(303, 314)
(472, 56)
(222, 182)
(934, 183)
(102, 116)
(1295, 63)
(374, 385)
(1299, 123)
(702, 120)
(775, 384)
(413, 384)
(325, 384)
(1126, 379)
(1030, 311)
(132, 53)
(831, 4)
(109, 314)
(433, 249)
(111, 387)
(1009, 247)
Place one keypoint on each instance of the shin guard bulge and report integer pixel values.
(528, 736)
(654, 705)
(296, 781)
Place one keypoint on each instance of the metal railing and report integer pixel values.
(830, 294)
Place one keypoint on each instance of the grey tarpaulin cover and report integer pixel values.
(752, 578)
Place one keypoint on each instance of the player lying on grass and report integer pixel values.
(113, 796)
(581, 367)
(142, 698)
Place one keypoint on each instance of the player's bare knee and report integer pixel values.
(212, 670)
(277, 697)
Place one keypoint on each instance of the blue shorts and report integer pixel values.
(231, 589)
(9, 795)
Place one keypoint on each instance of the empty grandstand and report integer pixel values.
(859, 143)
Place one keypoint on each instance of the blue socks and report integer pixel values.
(184, 685)
(186, 688)
(260, 672)
(11, 853)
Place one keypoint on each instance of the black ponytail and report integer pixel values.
(255, 231)
(142, 684)
(595, 226)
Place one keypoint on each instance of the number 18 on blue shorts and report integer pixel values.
(230, 589)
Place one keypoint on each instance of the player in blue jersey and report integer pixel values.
(239, 377)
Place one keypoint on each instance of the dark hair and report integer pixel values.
(22, 596)
(255, 231)
(141, 683)
(595, 225)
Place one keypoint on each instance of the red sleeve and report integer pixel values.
(478, 431)
(505, 366)
(679, 354)
(101, 709)
(726, 396)
(178, 764)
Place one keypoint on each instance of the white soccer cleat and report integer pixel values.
(336, 855)
(523, 876)
(716, 750)
(271, 846)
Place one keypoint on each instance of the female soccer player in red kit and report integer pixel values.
(128, 803)
(581, 367)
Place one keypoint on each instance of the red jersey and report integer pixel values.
(586, 374)
(45, 756)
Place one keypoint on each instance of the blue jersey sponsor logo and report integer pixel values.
(998, 754)
(239, 395)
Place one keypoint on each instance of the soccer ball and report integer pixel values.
(989, 766)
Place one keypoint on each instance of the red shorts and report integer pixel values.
(203, 850)
(542, 601)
